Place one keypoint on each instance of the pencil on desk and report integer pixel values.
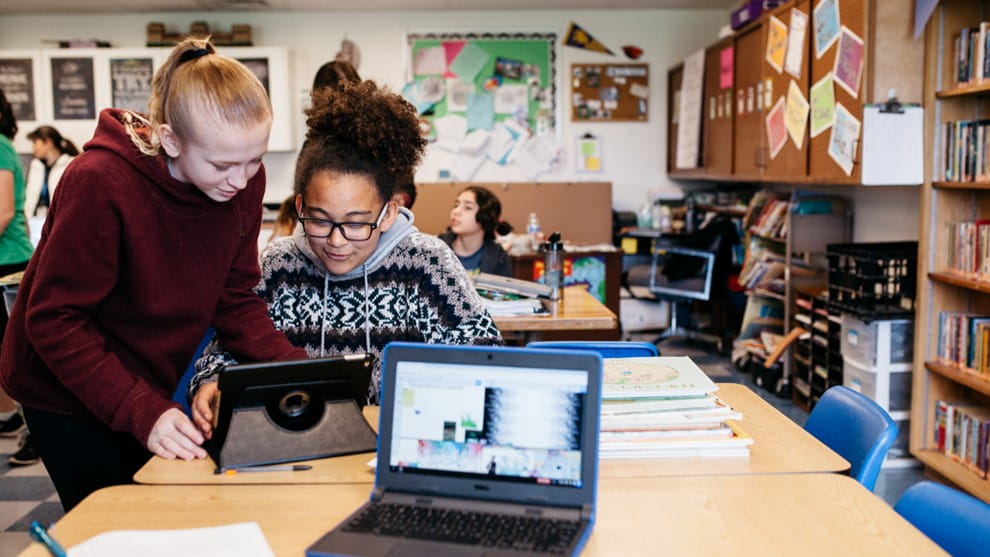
(286, 468)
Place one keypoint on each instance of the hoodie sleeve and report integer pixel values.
(241, 319)
(73, 276)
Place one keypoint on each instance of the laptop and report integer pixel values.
(481, 451)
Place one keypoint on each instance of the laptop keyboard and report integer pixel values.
(520, 533)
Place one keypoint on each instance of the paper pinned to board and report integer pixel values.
(893, 146)
(243, 539)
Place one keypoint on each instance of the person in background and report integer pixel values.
(332, 74)
(357, 274)
(52, 153)
(15, 251)
(405, 192)
(107, 317)
(471, 233)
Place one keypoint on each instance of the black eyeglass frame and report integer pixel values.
(342, 226)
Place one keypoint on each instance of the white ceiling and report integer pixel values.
(132, 6)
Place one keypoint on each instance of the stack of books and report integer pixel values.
(665, 406)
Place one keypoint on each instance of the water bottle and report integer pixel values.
(553, 264)
(533, 230)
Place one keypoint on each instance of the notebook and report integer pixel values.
(472, 438)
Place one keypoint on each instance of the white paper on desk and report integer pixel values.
(893, 148)
(243, 539)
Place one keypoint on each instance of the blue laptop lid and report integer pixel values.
(493, 423)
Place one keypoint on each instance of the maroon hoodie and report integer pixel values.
(132, 267)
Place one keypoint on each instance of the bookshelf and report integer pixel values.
(947, 199)
(734, 118)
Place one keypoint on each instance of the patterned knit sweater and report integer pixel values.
(412, 288)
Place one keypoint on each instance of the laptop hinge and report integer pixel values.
(587, 511)
(377, 494)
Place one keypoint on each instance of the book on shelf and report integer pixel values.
(970, 62)
(961, 433)
(964, 157)
(963, 340)
(969, 248)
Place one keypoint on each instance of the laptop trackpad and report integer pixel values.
(418, 549)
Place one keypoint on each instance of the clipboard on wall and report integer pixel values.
(893, 144)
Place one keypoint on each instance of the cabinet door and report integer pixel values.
(749, 153)
(852, 15)
(717, 127)
(674, 78)
(791, 161)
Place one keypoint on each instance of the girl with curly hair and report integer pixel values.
(357, 274)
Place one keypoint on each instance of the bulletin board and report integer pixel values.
(488, 71)
(610, 92)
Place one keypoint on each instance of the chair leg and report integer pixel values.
(672, 327)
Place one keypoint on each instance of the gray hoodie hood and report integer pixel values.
(401, 228)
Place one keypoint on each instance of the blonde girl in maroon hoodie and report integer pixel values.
(151, 237)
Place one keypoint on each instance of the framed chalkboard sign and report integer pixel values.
(610, 92)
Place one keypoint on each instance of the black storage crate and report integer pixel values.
(873, 280)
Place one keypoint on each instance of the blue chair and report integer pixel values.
(855, 427)
(179, 395)
(957, 522)
(605, 348)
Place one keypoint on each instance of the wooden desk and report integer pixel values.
(577, 310)
(779, 447)
(337, 470)
(799, 514)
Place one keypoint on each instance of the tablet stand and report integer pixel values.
(255, 439)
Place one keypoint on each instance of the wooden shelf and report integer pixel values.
(966, 376)
(962, 281)
(962, 185)
(965, 90)
(955, 472)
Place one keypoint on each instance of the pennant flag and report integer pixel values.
(579, 38)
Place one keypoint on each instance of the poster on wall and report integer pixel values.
(17, 83)
(130, 82)
(73, 96)
(485, 77)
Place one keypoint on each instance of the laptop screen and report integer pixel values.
(520, 424)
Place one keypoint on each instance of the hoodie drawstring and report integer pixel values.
(323, 319)
(367, 311)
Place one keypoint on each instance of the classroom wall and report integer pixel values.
(634, 155)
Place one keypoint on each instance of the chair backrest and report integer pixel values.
(959, 523)
(855, 427)
(605, 348)
(678, 272)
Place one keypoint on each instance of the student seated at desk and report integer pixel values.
(471, 233)
(357, 274)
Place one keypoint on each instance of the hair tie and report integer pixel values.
(192, 55)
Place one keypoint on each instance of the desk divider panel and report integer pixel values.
(581, 211)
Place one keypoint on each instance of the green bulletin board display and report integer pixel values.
(499, 69)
